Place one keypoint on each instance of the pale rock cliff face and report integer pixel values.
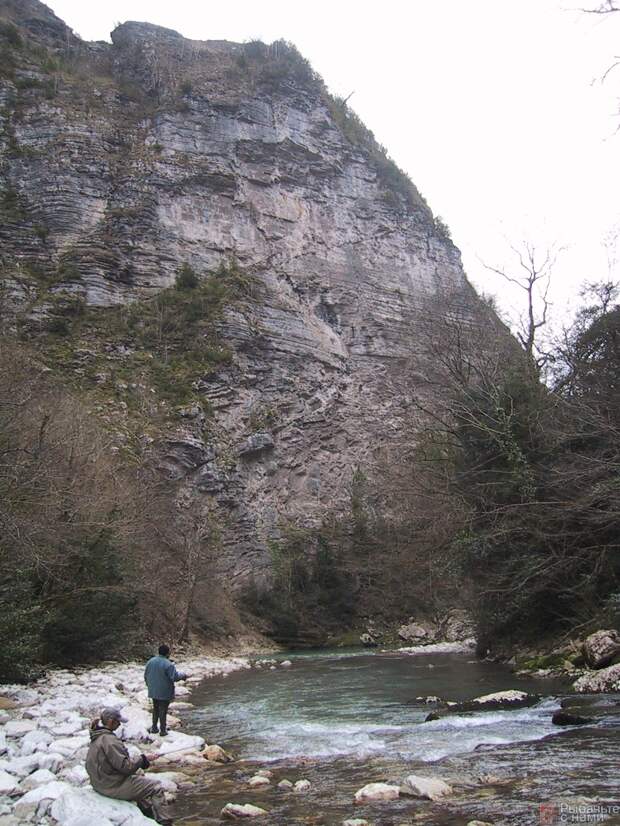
(155, 151)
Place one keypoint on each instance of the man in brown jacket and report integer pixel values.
(112, 771)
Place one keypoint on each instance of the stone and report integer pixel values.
(19, 728)
(35, 741)
(52, 761)
(7, 703)
(565, 718)
(88, 820)
(430, 788)
(376, 792)
(413, 632)
(38, 801)
(76, 775)
(478, 823)
(21, 766)
(235, 810)
(498, 701)
(39, 778)
(256, 443)
(302, 786)
(217, 754)
(285, 785)
(74, 803)
(607, 679)
(457, 626)
(286, 663)
(8, 783)
(600, 648)
(257, 781)
(264, 773)
(356, 821)
(176, 741)
(367, 641)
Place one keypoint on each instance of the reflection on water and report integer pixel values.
(343, 721)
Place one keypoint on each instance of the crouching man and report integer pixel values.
(112, 771)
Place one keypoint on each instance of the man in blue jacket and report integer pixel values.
(160, 676)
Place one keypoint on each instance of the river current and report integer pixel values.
(343, 719)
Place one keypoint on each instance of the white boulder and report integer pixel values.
(430, 788)
(35, 741)
(21, 766)
(137, 725)
(285, 785)
(286, 663)
(69, 746)
(356, 821)
(2, 741)
(377, 791)
(18, 728)
(8, 783)
(74, 803)
(37, 802)
(88, 820)
(302, 786)
(235, 810)
(176, 741)
(412, 632)
(258, 781)
(36, 779)
(50, 760)
(76, 775)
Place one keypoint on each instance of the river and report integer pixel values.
(343, 719)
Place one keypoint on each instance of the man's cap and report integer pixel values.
(113, 714)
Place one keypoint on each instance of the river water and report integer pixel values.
(344, 719)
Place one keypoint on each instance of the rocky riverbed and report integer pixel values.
(44, 738)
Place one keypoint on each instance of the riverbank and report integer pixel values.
(44, 739)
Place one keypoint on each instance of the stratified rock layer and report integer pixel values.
(134, 158)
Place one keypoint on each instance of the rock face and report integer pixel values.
(156, 151)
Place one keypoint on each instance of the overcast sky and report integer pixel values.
(495, 108)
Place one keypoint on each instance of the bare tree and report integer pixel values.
(532, 275)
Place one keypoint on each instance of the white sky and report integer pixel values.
(495, 108)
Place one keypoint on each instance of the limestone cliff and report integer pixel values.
(123, 162)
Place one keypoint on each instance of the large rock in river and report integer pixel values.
(600, 648)
(607, 679)
(500, 701)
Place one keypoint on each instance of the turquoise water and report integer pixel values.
(343, 719)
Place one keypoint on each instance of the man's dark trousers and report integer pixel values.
(160, 711)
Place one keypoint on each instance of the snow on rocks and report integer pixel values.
(236, 810)
(377, 792)
(430, 788)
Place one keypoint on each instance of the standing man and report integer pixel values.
(160, 676)
(112, 771)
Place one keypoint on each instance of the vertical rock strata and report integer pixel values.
(122, 162)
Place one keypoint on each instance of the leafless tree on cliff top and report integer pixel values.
(531, 274)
